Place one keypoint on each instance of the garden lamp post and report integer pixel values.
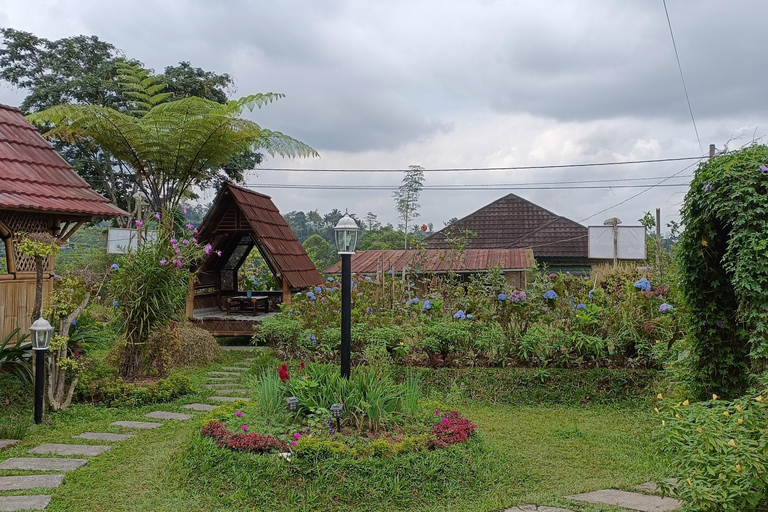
(336, 411)
(346, 240)
(40, 332)
(293, 403)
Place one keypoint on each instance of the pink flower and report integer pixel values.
(174, 241)
(195, 231)
(270, 437)
(157, 216)
(184, 242)
(175, 262)
(239, 413)
(190, 227)
(139, 223)
(184, 210)
(218, 253)
(437, 412)
(178, 250)
(163, 262)
(296, 435)
(244, 427)
(294, 443)
(445, 420)
(208, 249)
(194, 240)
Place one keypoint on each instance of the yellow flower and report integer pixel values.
(401, 343)
(700, 430)
(305, 377)
(738, 467)
(678, 416)
(740, 421)
(663, 423)
(732, 443)
(660, 396)
(689, 482)
(727, 414)
(759, 399)
(686, 403)
(738, 408)
(704, 242)
(715, 397)
(656, 409)
(657, 341)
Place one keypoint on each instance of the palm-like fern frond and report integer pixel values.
(144, 88)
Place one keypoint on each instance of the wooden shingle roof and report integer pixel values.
(511, 222)
(34, 177)
(438, 260)
(237, 209)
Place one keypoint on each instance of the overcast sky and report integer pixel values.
(460, 84)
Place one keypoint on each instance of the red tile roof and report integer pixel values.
(512, 222)
(438, 260)
(267, 225)
(34, 177)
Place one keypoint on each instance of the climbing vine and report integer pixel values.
(724, 267)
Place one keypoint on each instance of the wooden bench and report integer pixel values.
(239, 300)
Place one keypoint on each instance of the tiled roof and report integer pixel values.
(514, 223)
(268, 227)
(34, 177)
(438, 260)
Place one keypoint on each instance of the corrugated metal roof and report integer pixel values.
(269, 228)
(438, 260)
(34, 177)
(514, 223)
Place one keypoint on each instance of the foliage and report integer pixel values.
(176, 144)
(724, 269)
(198, 346)
(278, 331)
(40, 246)
(113, 391)
(452, 429)
(717, 452)
(407, 196)
(14, 360)
(322, 253)
(244, 442)
(84, 70)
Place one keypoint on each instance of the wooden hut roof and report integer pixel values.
(34, 177)
(512, 222)
(438, 260)
(239, 209)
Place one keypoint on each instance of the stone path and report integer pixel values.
(536, 508)
(7, 443)
(230, 391)
(161, 415)
(17, 483)
(103, 436)
(86, 450)
(201, 407)
(221, 379)
(36, 464)
(230, 374)
(137, 424)
(32, 502)
(229, 399)
(234, 368)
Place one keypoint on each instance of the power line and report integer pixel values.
(682, 78)
(659, 184)
(450, 187)
(514, 168)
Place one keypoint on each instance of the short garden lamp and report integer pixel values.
(336, 411)
(40, 332)
(346, 240)
(293, 403)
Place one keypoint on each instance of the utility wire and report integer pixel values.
(659, 184)
(514, 168)
(682, 78)
(453, 187)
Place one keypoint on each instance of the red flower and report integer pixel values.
(453, 429)
(302, 364)
(283, 373)
(424, 227)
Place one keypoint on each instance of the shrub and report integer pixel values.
(317, 449)
(280, 331)
(243, 442)
(443, 339)
(717, 449)
(116, 392)
(451, 430)
(198, 346)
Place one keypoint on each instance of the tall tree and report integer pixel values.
(85, 70)
(407, 196)
(175, 144)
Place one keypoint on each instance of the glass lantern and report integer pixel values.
(346, 235)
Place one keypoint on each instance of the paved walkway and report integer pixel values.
(62, 462)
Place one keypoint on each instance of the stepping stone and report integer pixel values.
(136, 424)
(238, 348)
(232, 374)
(234, 369)
(246, 363)
(17, 483)
(630, 500)
(87, 450)
(33, 502)
(6, 443)
(229, 399)
(230, 391)
(36, 464)
(536, 508)
(219, 385)
(200, 407)
(162, 415)
(221, 379)
(104, 436)
(651, 486)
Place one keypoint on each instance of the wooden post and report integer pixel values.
(658, 239)
(615, 224)
(712, 151)
(286, 292)
(190, 298)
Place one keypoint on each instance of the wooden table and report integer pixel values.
(244, 299)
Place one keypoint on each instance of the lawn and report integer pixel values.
(532, 454)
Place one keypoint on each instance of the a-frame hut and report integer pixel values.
(239, 221)
(39, 193)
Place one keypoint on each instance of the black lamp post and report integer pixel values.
(346, 240)
(293, 403)
(337, 410)
(40, 331)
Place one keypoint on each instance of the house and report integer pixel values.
(239, 221)
(514, 263)
(39, 193)
(512, 222)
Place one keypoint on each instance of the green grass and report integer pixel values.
(527, 455)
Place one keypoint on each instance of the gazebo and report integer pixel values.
(39, 193)
(239, 221)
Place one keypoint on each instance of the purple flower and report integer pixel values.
(764, 168)
(426, 306)
(74, 322)
(707, 187)
(115, 266)
(177, 250)
(139, 223)
(218, 253)
(389, 272)
(311, 296)
(591, 294)
(518, 296)
(195, 231)
(190, 227)
(331, 431)
(157, 216)
(163, 262)
(330, 279)
(175, 262)
(208, 249)
(550, 294)
(665, 307)
(329, 421)
(580, 306)
(502, 296)
(293, 443)
(174, 241)
(194, 240)
(368, 278)
(459, 315)
(184, 242)
(318, 289)
(720, 322)
(469, 316)
(184, 210)
(413, 301)
(369, 310)
(643, 284)
(116, 303)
